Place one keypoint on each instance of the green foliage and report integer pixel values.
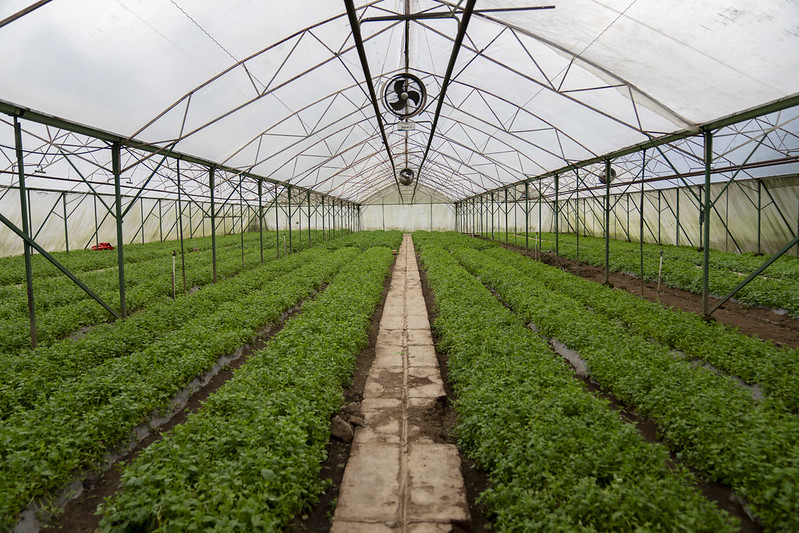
(368, 239)
(558, 458)
(708, 420)
(62, 307)
(28, 378)
(249, 459)
(73, 425)
(751, 359)
(777, 287)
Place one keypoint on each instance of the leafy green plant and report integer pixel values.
(777, 287)
(708, 420)
(249, 459)
(77, 422)
(558, 458)
(753, 360)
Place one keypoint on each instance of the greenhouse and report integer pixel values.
(399, 265)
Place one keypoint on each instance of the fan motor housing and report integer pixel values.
(602, 178)
(406, 176)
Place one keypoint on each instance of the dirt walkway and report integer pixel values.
(398, 478)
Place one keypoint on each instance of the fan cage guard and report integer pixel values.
(389, 95)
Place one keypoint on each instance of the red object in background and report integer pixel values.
(103, 246)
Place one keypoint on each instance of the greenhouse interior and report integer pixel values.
(399, 265)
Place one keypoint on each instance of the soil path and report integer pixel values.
(399, 477)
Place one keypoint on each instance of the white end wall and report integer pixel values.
(428, 212)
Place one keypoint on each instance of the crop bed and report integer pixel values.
(776, 288)
(249, 460)
(557, 457)
(708, 420)
(62, 307)
(65, 405)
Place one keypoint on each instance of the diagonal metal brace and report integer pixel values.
(58, 265)
(756, 273)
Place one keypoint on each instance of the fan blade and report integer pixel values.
(399, 105)
(416, 97)
(399, 87)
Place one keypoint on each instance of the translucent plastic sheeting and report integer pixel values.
(734, 218)
(276, 88)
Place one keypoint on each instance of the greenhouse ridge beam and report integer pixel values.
(356, 35)
(464, 23)
(13, 110)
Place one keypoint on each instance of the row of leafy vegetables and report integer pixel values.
(554, 457)
(12, 268)
(63, 406)
(62, 307)
(776, 288)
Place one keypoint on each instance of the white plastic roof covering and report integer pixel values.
(276, 88)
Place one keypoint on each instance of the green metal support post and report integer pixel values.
(309, 218)
(701, 218)
(527, 215)
(241, 218)
(506, 215)
(299, 221)
(482, 209)
(677, 217)
(577, 217)
(277, 221)
(759, 208)
(641, 222)
(474, 215)
(23, 205)
(492, 216)
(322, 203)
(706, 227)
(66, 229)
(213, 219)
(180, 229)
(96, 225)
(515, 210)
(289, 211)
(115, 164)
(540, 198)
(261, 218)
(607, 222)
(557, 217)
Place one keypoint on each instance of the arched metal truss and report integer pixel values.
(524, 101)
